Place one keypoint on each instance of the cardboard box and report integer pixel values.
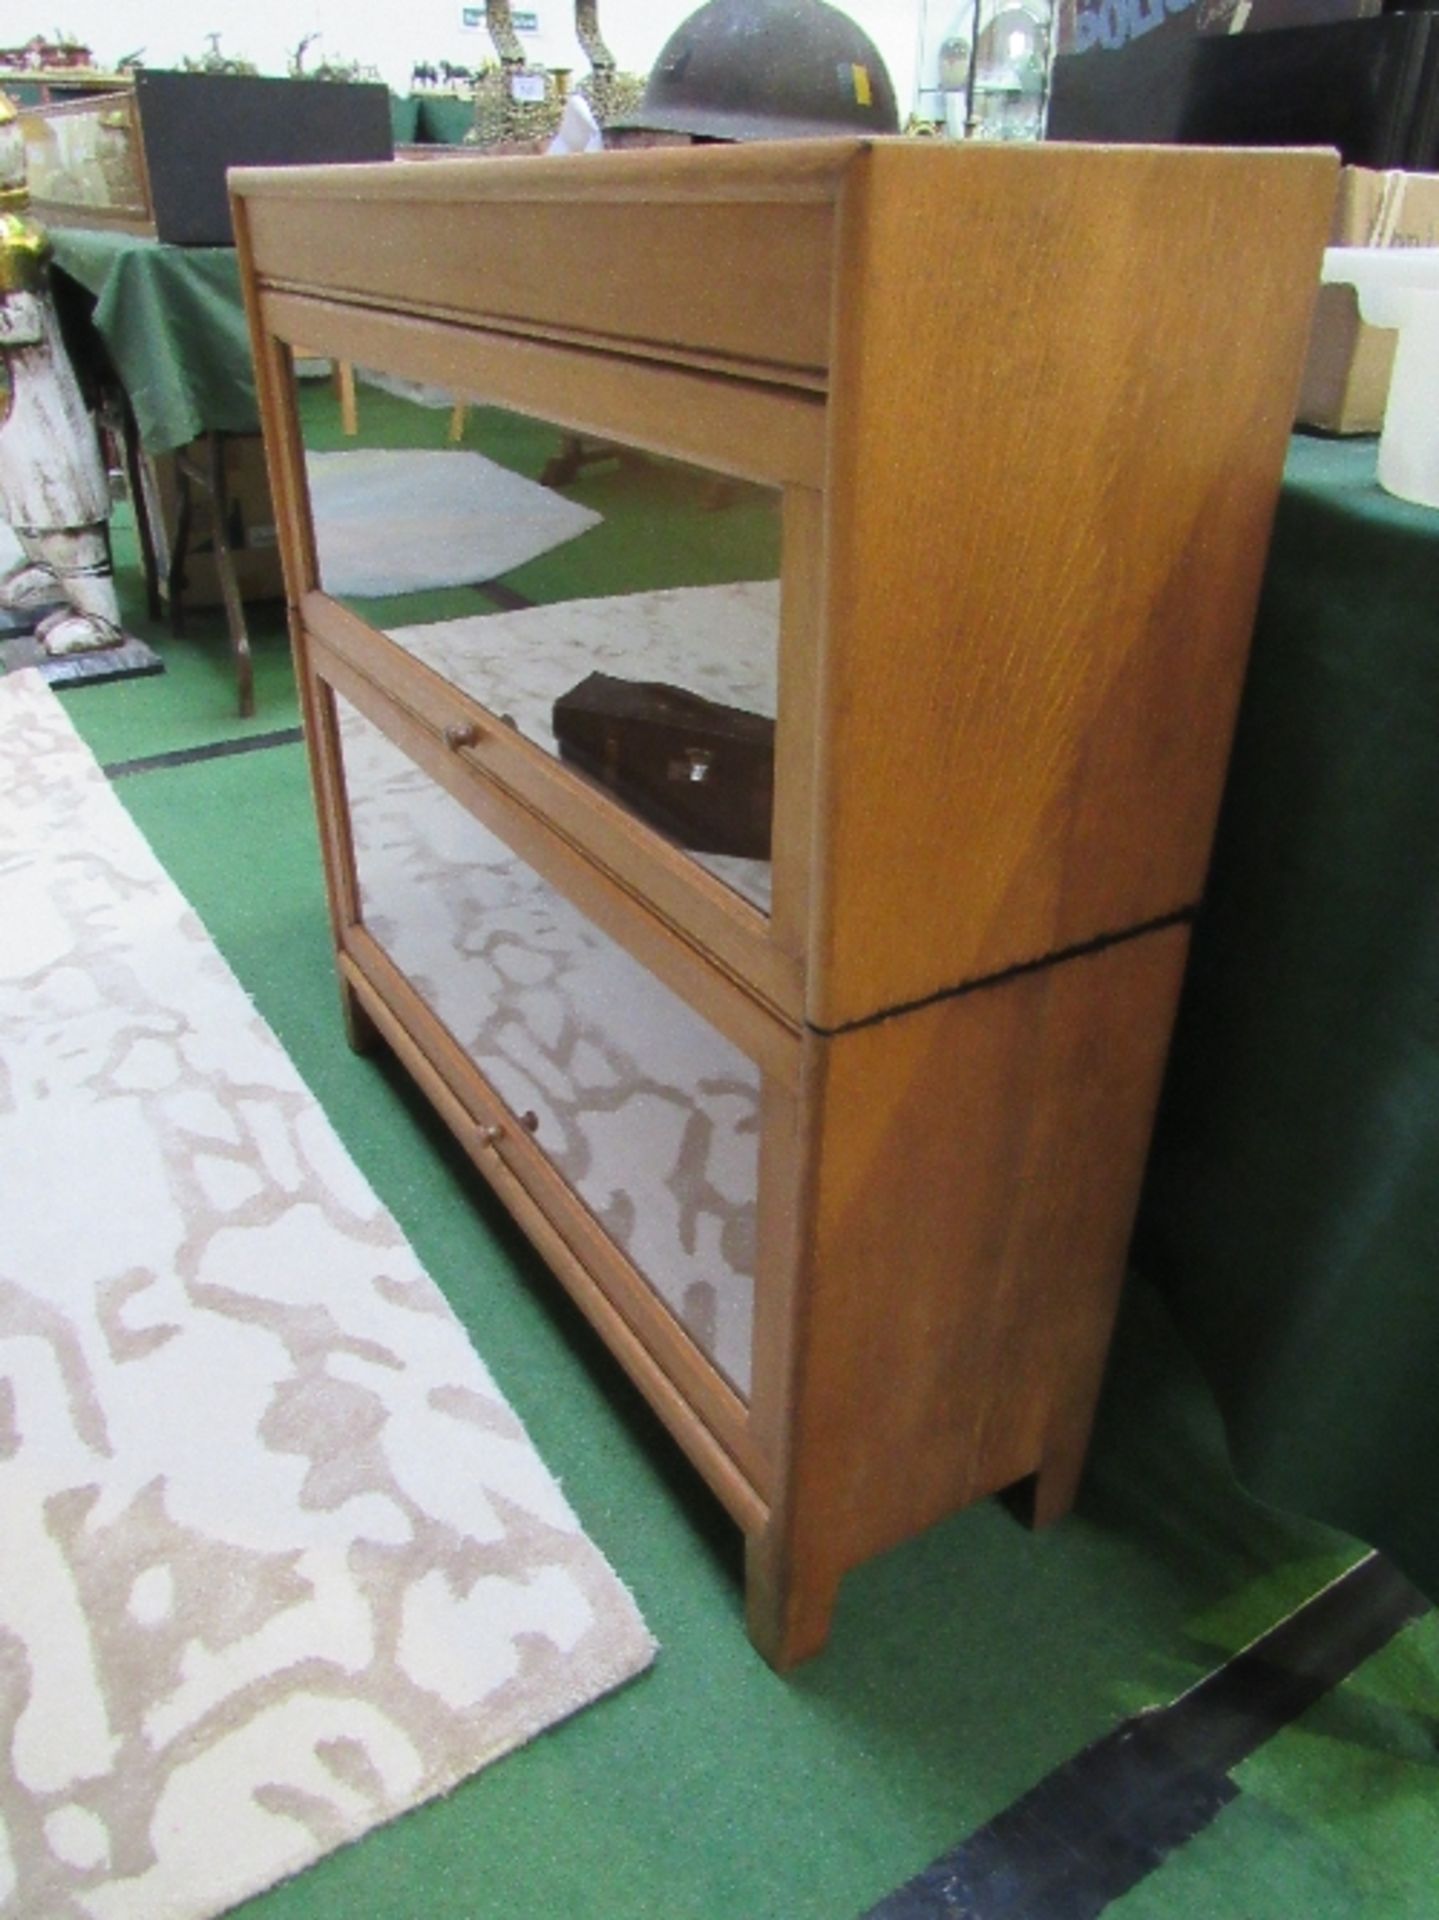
(253, 542)
(1346, 376)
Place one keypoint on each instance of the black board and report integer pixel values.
(1368, 87)
(196, 125)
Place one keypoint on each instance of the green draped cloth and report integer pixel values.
(444, 120)
(404, 119)
(431, 119)
(173, 324)
(1291, 1211)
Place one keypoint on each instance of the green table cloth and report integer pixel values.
(431, 119)
(445, 119)
(172, 321)
(1291, 1210)
(404, 119)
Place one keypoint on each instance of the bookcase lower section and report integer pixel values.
(954, 1188)
(972, 1169)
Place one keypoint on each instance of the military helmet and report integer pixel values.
(768, 70)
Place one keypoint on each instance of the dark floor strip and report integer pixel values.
(215, 750)
(67, 672)
(503, 596)
(1181, 916)
(1102, 1822)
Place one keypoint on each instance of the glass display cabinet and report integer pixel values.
(781, 885)
(85, 161)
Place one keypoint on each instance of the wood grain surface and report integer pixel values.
(1041, 594)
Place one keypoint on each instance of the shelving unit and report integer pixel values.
(841, 1158)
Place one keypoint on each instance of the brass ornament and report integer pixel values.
(24, 252)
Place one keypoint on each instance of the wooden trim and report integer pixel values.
(147, 185)
(795, 173)
(79, 106)
(692, 903)
(71, 213)
(681, 967)
(779, 1240)
(769, 434)
(722, 273)
(758, 372)
(284, 463)
(698, 1406)
(280, 424)
(337, 836)
(802, 614)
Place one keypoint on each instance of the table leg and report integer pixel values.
(180, 546)
(349, 405)
(225, 568)
(149, 522)
(209, 477)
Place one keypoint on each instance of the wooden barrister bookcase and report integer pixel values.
(1021, 414)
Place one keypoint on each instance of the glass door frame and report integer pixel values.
(734, 427)
(742, 970)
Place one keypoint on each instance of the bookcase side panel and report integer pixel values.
(975, 1166)
(1061, 397)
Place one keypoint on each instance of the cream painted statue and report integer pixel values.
(53, 489)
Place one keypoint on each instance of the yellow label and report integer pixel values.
(862, 91)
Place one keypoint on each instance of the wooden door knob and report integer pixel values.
(461, 733)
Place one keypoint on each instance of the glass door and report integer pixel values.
(617, 609)
(651, 1117)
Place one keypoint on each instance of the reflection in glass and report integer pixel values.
(1012, 72)
(715, 641)
(529, 560)
(648, 1113)
(85, 154)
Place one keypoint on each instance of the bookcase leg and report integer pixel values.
(1056, 1484)
(1046, 1496)
(788, 1606)
(360, 1030)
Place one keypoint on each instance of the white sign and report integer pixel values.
(473, 18)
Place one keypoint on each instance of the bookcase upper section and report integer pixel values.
(1028, 407)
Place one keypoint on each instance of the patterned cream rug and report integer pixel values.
(276, 1560)
(401, 520)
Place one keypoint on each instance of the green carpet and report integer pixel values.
(193, 702)
(964, 1665)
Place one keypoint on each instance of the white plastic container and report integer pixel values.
(1399, 287)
